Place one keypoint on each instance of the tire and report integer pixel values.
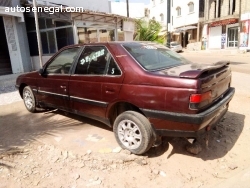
(133, 132)
(29, 99)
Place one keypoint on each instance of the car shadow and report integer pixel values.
(19, 128)
(221, 139)
(83, 119)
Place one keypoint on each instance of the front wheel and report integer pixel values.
(29, 99)
(133, 132)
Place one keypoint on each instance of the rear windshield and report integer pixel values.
(152, 56)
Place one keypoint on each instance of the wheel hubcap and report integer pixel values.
(129, 134)
(28, 99)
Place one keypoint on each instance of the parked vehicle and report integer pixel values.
(142, 90)
(175, 46)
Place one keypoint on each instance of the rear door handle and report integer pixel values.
(63, 86)
(108, 91)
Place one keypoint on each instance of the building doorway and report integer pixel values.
(5, 64)
(232, 37)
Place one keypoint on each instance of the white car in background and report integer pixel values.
(175, 46)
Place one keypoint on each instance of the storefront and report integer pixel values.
(223, 34)
(67, 28)
(186, 35)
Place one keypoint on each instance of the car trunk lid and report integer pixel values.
(214, 81)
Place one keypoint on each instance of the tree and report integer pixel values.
(149, 31)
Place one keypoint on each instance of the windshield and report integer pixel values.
(152, 56)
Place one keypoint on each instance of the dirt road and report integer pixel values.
(54, 149)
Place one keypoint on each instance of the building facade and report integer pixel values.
(186, 21)
(158, 10)
(14, 48)
(19, 47)
(227, 24)
(245, 26)
(182, 19)
(136, 10)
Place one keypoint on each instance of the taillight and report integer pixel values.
(198, 100)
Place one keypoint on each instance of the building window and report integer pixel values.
(54, 35)
(178, 10)
(191, 7)
(153, 2)
(162, 17)
(147, 12)
(232, 5)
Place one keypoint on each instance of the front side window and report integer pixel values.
(152, 56)
(61, 64)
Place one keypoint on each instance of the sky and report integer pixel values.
(135, 1)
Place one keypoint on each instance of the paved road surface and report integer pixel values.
(239, 62)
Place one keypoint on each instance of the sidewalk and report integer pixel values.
(230, 52)
(8, 92)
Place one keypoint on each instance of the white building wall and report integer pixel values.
(95, 5)
(186, 18)
(136, 10)
(158, 7)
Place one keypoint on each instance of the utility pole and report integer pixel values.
(239, 30)
(127, 8)
(39, 43)
(168, 22)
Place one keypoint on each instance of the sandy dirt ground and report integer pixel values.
(55, 149)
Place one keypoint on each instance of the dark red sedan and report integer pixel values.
(141, 89)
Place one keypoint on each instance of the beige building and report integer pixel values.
(226, 24)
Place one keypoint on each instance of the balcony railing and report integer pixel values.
(6, 3)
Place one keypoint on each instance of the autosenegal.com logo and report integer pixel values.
(50, 10)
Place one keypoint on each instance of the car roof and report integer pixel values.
(111, 42)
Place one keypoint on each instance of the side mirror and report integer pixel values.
(41, 71)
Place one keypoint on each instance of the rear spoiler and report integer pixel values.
(201, 68)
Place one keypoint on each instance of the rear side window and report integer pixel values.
(113, 69)
(152, 56)
(93, 60)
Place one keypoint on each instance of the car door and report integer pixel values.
(53, 83)
(112, 81)
(87, 86)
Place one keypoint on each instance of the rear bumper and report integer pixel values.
(197, 122)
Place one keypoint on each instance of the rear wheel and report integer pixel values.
(133, 132)
(29, 99)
